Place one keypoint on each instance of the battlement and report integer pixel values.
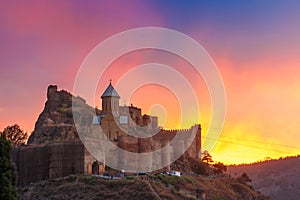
(180, 131)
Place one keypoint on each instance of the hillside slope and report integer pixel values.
(279, 179)
(147, 187)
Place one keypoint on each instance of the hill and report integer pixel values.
(279, 179)
(142, 187)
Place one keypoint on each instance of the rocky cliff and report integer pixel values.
(55, 123)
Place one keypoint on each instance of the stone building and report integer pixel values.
(117, 120)
(55, 149)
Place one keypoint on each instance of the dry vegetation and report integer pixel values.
(279, 179)
(154, 187)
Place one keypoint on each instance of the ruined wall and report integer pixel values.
(40, 162)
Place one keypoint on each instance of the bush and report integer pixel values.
(244, 178)
(219, 168)
(129, 178)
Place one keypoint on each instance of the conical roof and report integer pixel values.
(110, 92)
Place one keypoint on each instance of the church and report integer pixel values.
(116, 120)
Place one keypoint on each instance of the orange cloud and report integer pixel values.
(262, 112)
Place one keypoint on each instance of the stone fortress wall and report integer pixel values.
(151, 144)
(47, 161)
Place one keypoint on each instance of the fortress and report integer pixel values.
(55, 149)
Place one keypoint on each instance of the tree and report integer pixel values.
(15, 134)
(7, 173)
(244, 178)
(207, 157)
(219, 168)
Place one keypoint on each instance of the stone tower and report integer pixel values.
(110, 101)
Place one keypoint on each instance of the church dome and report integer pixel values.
(110, 92)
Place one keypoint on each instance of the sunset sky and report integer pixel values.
(255, 45)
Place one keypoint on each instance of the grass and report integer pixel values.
(189, 179)
(219, 198)
(130, 178)
(175, 180)
(89, 180)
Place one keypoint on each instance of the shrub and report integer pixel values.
(89, 180)
(244, 178)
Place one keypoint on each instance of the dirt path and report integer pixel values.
(154, 192)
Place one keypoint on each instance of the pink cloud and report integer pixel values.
(46, 41)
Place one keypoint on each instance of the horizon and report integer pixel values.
(255, 46)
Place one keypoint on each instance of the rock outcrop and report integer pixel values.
(55, 123)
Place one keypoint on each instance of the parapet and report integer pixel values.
(180, 131)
